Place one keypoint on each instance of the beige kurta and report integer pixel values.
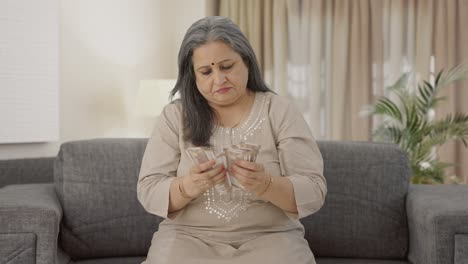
(241, 228)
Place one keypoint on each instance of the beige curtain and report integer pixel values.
(265, 23)
(334, 57)
(298, 29)
(351, 80)
(450, 48)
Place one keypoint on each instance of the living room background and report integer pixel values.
(105, 48)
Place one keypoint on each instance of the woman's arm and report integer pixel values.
(177, 200)
(201, 178)
(160, 162)
(281, 193)
(277, 190)
(301, 188)
(300, 158)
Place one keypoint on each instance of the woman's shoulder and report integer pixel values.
(280, 105)
(278, 101)
(173, 108)
(172, 113)
(281, 110)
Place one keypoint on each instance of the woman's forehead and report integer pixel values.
(213, 53)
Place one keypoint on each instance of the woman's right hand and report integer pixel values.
(202, 177)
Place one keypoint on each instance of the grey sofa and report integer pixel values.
(90, 213)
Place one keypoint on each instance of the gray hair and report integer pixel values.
(198, 115)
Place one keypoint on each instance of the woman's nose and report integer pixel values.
(219, 77)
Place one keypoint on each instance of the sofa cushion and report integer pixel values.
(30, 170)
(364, 214)
(96, 184)
(30, 209)
(18, 248)
(461, 248)
(358, 261)
(132, 260)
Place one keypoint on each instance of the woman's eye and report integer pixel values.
(225, 68)
(206, 72)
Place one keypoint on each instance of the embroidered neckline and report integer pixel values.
(244, 114)
(252, 111)
(225, 205)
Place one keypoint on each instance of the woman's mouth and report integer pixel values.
(223, 90)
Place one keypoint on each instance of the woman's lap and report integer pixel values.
(170, 247)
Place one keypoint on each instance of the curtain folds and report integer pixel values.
(265, 24)
(333, 57)
(450, 48)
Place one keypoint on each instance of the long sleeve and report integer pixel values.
(300, 159)
(160, 162)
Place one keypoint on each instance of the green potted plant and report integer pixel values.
(408, 119)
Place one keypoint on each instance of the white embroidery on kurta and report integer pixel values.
(228, 205)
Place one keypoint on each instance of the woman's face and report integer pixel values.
(220, 73)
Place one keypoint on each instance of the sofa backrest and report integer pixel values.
(96, 185)
(363, 216)
(29, 170)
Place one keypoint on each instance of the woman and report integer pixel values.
(224, 101)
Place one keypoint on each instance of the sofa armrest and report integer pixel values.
(438, 224)
(30, 217)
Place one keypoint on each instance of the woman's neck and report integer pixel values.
(233, 115)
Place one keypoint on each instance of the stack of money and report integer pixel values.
(241, 151)
(200, 155)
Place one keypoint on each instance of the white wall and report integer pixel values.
(29, 71)
(106, 47)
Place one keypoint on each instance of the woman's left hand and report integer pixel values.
(251, 175)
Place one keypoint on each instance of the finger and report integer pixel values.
(211, 173)
(216, 179)
(203, 166)
(250, 165)
(220, 178)
(240, 171)
(204, 184)
(245, 181)
(220, 181)
(207, 177)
